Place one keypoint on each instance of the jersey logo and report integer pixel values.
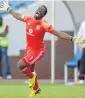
(38, 27)
(31, 31)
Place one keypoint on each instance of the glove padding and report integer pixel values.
(78, 40)
(4, 6)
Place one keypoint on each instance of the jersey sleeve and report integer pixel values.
(48, 27)
(25, 18)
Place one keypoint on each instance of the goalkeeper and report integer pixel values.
(36, 27)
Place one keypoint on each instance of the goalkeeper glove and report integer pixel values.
(77, 40)
(5, 7)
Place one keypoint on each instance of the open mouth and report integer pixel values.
(38, 13)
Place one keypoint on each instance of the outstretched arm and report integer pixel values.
(65, 36)
(62, 35)
(5, 7)
(50, 28)
(16, 15)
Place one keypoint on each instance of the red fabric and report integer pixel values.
(35, 31)
(30, 75)
(26, 18)
(31, 56)
(28, 72)
(36, 86)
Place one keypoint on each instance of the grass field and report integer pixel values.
(13, 89)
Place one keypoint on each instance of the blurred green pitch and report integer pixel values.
(18, 89)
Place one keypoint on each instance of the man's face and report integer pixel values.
(40, 13)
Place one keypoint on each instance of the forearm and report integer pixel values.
(16, 15)
(5, 7)
(62, 35)
(65, 36)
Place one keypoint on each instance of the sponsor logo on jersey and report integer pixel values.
(30, 30)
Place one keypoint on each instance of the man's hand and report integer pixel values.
(78, 40)
(4, 6)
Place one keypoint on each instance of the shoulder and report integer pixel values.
(48, 27)
(25, 18)
(45, 23)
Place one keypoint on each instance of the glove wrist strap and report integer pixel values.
(9, 9)
(73, 39)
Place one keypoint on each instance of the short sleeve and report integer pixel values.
(48, 27)
(25, 18)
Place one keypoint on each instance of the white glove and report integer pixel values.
(4, 6)
(78, 40)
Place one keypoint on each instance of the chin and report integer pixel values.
(37, 17)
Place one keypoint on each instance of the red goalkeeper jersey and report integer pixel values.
(35, 31)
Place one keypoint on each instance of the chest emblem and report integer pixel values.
(38, 27)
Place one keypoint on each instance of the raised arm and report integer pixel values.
(5, 7)
(65, 36)
(16, 15)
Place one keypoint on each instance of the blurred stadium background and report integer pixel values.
(65, 16)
